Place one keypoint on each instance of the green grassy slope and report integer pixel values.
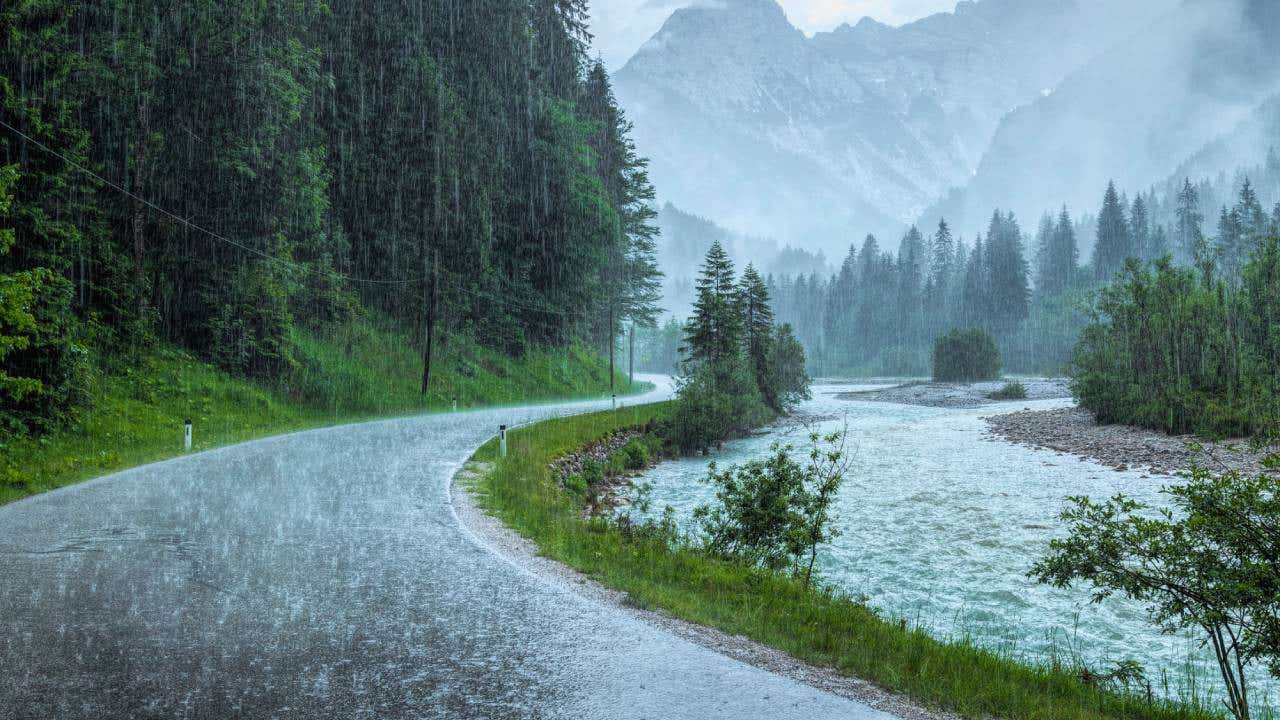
(358, 373)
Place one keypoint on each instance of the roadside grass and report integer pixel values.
(361, 373)
(824, 628)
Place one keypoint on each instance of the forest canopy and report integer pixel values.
(223, 176)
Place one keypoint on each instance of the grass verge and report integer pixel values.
(359, 373)
(823, 628)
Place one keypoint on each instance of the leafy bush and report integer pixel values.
(774, 513)
(1209, 564)
(966, 356)
(713, 405)
(1011, 391)
(635, 455)
(44, 373)
(575, 484)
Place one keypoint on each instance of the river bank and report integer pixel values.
(900, 611)
(959, 395)
(1071, 430)
(1074, 431)
(525, 554)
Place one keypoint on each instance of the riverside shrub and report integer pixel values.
(1171, 350)
(966, 356)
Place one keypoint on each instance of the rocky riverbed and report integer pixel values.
(960, 395)
(1074, 431)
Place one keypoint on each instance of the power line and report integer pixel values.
(206, 231)
(287, 263)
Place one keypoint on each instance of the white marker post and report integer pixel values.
(502, 439)
(615, 401)
(186, 443)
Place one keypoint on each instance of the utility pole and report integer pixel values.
(431, 302)
(613, 344)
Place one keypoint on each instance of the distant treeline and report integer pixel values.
(223, 175)
(881, 312)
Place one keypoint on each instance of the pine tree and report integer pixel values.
(839, 308)
(1188, 235)
(975, 293)
(1114, 243)
(1252, 218)
(1043, 254)
(1229, 246)
(1159, 244)
(941, 282)
(1009, 290)
(757, 332)
(942, 254)
(1140, 229)
(714, 332)
(909, 320)
(913, 247)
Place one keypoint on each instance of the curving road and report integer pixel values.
(325, 574)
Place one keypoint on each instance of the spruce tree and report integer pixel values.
(1188, 234)
(1009, 290)
(1229, 244)
(714, 331)
(1140, 229)
(942, 255)
(757, 333)
(1114, 243)
(1044, 246)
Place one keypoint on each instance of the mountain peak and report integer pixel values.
(733, 27)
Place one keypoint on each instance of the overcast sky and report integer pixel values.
(622, 26)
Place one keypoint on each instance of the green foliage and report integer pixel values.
(635, 455)
(966, 356)
(1170, 352)
(42, 370)
(715, 404)
(787, 374)
(1209, 564)
(739, 370)
(1011, 391)
(776, 512)
(273, 171)
(757, 519)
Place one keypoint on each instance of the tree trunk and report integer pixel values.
(431, 302)
(631, 360)
(140, 213)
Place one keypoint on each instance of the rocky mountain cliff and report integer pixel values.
(819, 140)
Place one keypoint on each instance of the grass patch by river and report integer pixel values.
(823, 628)
(138, 408)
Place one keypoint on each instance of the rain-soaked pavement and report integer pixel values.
(324, 574)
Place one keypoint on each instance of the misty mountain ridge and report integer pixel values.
(818, 140)
(1185, 95)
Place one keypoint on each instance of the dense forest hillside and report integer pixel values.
(271, 186)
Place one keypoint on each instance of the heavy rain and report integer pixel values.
(877, 359)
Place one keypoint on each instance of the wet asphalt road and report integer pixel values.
(324, 574)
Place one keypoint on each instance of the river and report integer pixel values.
(941, 522)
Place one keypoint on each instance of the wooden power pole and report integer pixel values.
(431, 300)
